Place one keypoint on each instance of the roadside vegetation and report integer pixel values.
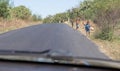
(104, 15)
(12, 18)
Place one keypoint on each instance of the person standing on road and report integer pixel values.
(77, 24)
(87, 28)
(72, 23)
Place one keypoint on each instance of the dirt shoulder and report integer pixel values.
(111, 49)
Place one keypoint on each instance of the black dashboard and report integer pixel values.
(33, 66)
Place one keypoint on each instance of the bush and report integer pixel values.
(104, 34)
(4, 8)
(36, 17)
(21, 12)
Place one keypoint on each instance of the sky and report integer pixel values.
(47, 7)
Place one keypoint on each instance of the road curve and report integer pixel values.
(50, 36)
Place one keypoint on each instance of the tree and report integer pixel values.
(4, 8)
(36, 17)
(106, 14)
(48, 19)
(60, 17)
(21, 12)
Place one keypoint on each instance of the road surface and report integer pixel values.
(57, 37)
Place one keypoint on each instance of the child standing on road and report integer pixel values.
(72, 23)
(87, 28)
(77, 24)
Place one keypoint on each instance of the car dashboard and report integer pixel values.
(33, 66)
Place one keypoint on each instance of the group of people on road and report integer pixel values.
(87, 25)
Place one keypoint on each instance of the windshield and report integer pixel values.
(75, 28)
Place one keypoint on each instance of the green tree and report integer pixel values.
(48, 19)
(106, 16)
(60, 17)
(21, 12)
(36, 17)
(4, 8)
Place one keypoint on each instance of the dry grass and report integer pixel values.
(111, 49)
(8, 25)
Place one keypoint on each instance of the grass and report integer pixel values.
(110, 48)
(8, 25)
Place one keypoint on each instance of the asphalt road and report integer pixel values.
(60, 38)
